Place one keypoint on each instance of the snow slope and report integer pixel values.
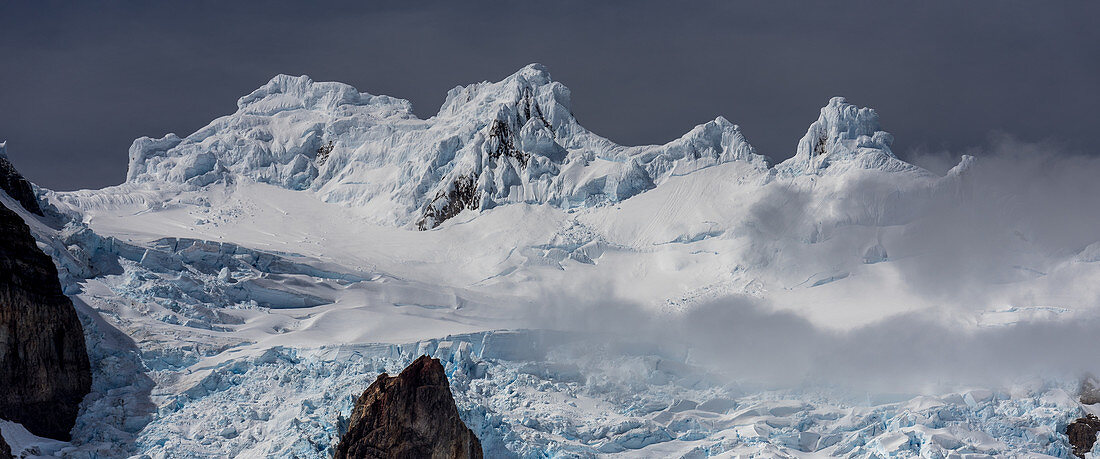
(248, 281)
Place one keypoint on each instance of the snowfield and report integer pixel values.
(248, 281)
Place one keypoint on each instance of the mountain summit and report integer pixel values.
(844, 137)
(515, 140)
(512, 141)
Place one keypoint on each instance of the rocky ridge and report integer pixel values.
(15, 185)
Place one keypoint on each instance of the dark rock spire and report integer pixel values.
(411, 415)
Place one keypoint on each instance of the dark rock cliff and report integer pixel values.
(411, 415)
(13, 183)
(1082, 434)
(1089, 390)
(44, 368)
(5, 450)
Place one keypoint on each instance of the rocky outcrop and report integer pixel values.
(1089, 390)
(44, 368)
(462, 194)
(13, 183)
(5, 450)
(1082, 434)
(411, 415)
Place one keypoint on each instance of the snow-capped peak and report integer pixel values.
(491, 143)
(285, 92)
(524, 84)
(844, 136)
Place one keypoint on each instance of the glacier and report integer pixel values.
(246, 282)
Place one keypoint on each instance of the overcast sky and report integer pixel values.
(80, 81)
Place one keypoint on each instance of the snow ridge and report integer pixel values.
(490, 144)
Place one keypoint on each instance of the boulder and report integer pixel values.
(1082, 434)
(411, 415)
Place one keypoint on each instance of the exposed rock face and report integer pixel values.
(1082, 434)
(462, 194)
(44, 368)
(5, 450)
(1089, 391)
(12, 182)
(411, 415)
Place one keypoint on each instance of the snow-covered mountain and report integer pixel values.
(490, 144)
(247, 281)
(844, 137)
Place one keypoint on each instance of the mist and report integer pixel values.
(1007, 232)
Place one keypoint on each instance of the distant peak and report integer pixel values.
(837, 101)
(535, 74)
(286, 92)
(279, 84)
(722, 121)
(284, 80)
(841, 118)
(534, 66)
(844, 134)
(530, 81)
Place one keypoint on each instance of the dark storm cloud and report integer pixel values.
(80, 81)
